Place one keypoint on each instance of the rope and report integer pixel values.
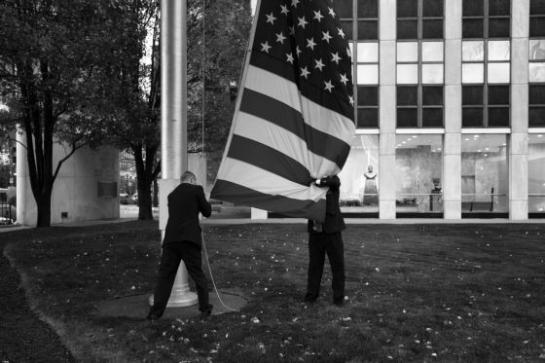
(212, 277)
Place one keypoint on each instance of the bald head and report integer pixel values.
(189, 177)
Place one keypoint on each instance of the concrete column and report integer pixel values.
(518, 145)
(174, 124)
(22, 183)
(387, 110)
(452, 158)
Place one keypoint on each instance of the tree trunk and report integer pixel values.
(44, 210)
(144, 201)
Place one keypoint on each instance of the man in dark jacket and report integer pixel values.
(183, 241)
(325, 238)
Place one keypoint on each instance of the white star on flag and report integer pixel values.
(271, 18)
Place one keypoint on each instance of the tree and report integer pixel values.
(132, 87)
(47, 53)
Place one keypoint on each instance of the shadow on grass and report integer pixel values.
(417, 293)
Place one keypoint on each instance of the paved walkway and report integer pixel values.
(23, 336)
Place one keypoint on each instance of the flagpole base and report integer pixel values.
(180, 295)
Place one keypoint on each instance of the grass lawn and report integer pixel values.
(461, 293)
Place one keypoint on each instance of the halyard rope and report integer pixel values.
(212, 277)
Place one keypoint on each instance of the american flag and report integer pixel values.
(294, 117)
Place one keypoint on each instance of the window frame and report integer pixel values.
(420, 19)
(485, 18)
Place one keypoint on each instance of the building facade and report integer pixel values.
(450, 109)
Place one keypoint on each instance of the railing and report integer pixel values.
(485, 202)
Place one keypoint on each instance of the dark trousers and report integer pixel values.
(319, 245)
(170, 260)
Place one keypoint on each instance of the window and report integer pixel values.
(420, 19)
(419, 167)
(359, 177)
(365, 48)
(367, 19)
(537, 18)
(536, 174)
(537, 105)
(420, 84)
(485, 180)
(367, 84)
(486, 19)
(485, 78)
(537, 60)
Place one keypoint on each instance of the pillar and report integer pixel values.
(452, 158)
(387, 110)
(518, 145)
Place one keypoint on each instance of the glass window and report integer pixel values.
(536, 49)
(407, 51)
(367, 73)
(472, 95)
(367, 52)
(407, 95)
(498, 95)
(473, 8)
(407, 117)
(472, 28)
(359, 176)
(473, 50)
(499, 50)
(499, 28)
(367, 96)
(432, 8)
(472, 116)
(367, 8)
(432, 73)
(498, 73)
(419, 168)
(432, 96)
(537, 106)
(343, 9)
(347, 29)
(367, 117)
(407, 74)
(537, 18)
(472, 73)
(407, 8)
(537, 27)
(537, 7)
(407, 29)
(536, 173)
(432, 51)
(499, 7)
(432, 29)
(368, 29)
(498, 116)
(485, 175)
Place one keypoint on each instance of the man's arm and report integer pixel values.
(204, 206)
(332, 182)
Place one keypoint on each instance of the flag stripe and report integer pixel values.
(312, 91)
(266, 182)
(290, 119)
(316, 116)
(237, 194)
(278, 138)
(267, 158)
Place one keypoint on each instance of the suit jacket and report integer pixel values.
(334, 221)
(184, 204)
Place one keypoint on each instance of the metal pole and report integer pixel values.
(174, 123)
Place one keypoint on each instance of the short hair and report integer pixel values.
(188, 176)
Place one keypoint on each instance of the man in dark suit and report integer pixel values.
(183, 241)
(325, 238)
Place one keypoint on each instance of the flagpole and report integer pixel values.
(174, 124)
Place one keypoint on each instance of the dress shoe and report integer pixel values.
(205, 314)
